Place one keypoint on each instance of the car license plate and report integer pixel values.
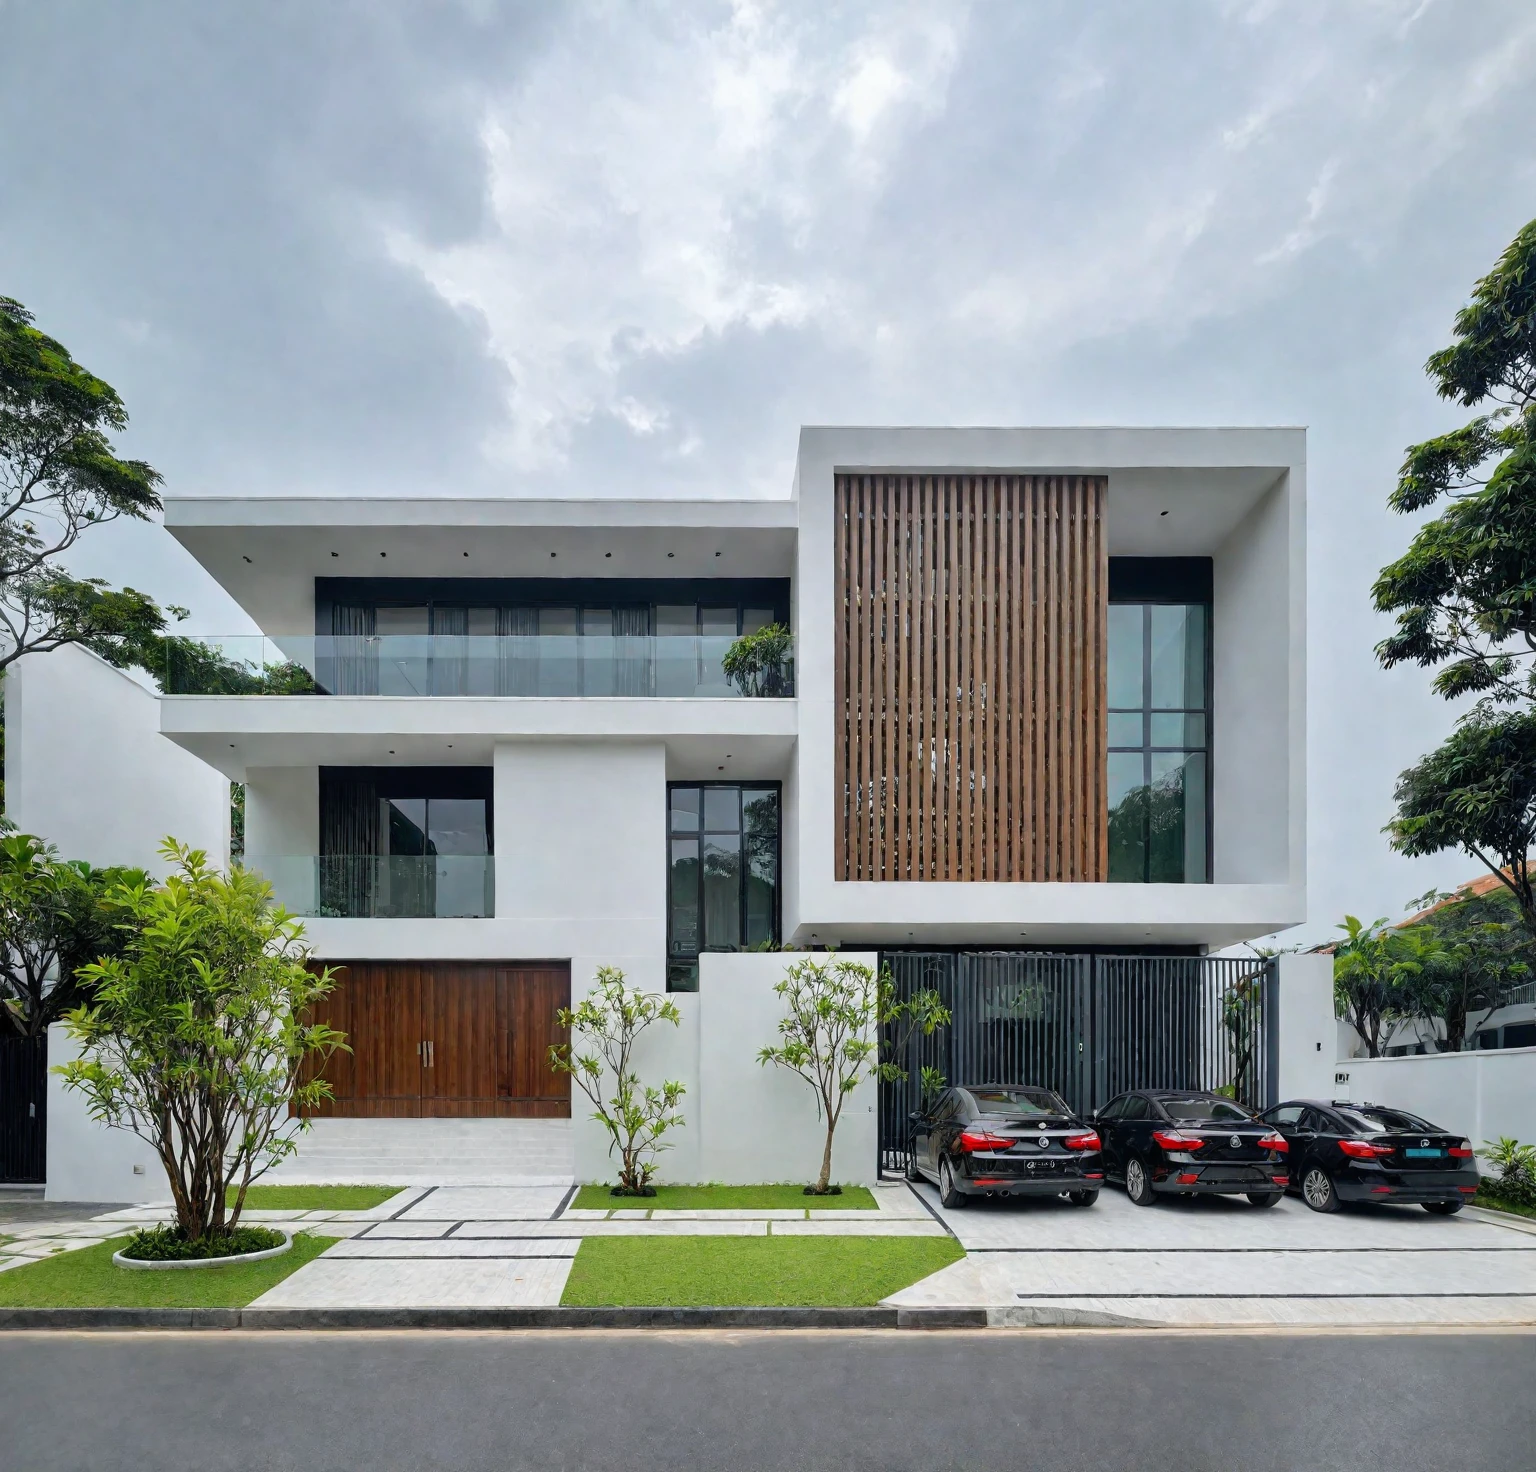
(1424, 1154)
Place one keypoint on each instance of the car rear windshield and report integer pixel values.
(1223, 1111)
(1385, 1121)
(1018, 1101)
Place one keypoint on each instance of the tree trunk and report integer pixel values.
(825, 1178)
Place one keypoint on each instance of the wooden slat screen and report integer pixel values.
(970, 677)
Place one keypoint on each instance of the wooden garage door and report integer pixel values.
(467, 1039)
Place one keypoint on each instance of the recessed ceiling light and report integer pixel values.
(607, 554)
(391, 750)
(466, 554)
(1162, 513)
(717, 554)
(246, 558)
(671, 554)
(383, 554)
(554, 554)
(335, 554)
(719, 769)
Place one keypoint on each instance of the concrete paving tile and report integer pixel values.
(487, 1203)
(402, 1230)
(329, 1282)
(455, 1247)
(652, 1228)
(889, 1227)
(584, 1214)
(12, 1262)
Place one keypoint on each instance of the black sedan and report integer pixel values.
(1004, 1140)
(1187, 1142)
(1365, 1152)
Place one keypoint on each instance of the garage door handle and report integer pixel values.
(430, 1059)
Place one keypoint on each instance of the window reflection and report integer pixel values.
(722, 873)
(1159, 779)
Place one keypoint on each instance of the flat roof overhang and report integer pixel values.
(266, 552)
(705, 739)
(1039, 916)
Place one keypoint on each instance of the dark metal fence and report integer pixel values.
(1089, 1027)
(23, 1108)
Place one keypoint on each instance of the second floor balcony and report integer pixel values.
(701, 666)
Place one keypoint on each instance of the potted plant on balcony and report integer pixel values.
(758, 664)
(196, 1039)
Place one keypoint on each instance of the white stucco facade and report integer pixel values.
(579, 783)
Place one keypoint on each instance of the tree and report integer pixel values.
(197, 1036)
(1482, 954)
(609, 1021)
(1370, 969)
(53, 920)
(1464, 594)
(827, 1036)
(58, 476)
(1477, 792)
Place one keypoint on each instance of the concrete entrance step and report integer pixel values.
(408, 1152)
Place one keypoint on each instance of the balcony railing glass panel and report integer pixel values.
(382, 886)
(544, 665)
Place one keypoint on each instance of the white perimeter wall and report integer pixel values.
(1308, 1029)
(87, 1161)
(87, 769)
(746, 1122)
(1482, 1095)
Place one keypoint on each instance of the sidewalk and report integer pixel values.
(477, 1246)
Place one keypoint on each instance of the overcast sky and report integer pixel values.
(474, 247)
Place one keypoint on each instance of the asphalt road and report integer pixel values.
(637, 1402)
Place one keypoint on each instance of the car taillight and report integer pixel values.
(1177, 1140)
(1273, 1142)
(1090, 1141)
(1462, 1151)
(979, 1140)
(1363, 1149)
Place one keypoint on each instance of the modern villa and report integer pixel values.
(1029, 714)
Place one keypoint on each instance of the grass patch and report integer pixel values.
(315, 1198)
(691, 1272)
(1486, 1198)
(724, 1198)
(88, 1278)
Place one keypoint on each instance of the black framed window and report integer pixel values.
(1159, 726)
(406, 842)
(722, 872)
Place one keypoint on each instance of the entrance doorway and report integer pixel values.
(447, 1039)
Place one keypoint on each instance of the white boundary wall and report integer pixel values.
(1308, 1029)
(746, 1122)
(1482, 1095)
(87, 769)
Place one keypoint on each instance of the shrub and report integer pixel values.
(168, 1244)
(759, 663)
(1516, 1181)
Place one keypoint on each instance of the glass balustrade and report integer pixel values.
(382, 886)
(640, 665)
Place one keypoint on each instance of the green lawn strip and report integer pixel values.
(88, 1278)
(690, 1272)
(724, 1198)
(1488, 1200)
(315, 1198)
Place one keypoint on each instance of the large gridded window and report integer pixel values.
(722, 873)
(1159, 735)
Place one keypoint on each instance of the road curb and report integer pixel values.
(277, 1319)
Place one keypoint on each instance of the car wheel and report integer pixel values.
(1082, 1198)
(950, 1195)
(1264, 1198)
(1317, 1190)
(1443, 1208)
(1138, 1184)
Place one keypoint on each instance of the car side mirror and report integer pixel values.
(917, 1118)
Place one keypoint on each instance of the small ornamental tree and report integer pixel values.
(759, 663)
(600, 1059)
(197, 1037)
(1373, 967)
(835, 1009)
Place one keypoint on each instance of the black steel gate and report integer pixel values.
(1089, 1027)
(23, 1108)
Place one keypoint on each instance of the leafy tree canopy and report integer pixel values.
(1464, 594)
(58, 476)
(1477, 792)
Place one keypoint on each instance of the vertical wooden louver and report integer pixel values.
(970, 657)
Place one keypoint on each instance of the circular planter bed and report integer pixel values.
(158, 1264)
